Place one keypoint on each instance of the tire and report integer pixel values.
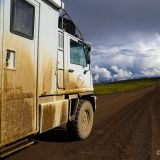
(81, 127)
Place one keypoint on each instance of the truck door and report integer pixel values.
(19, 118)
(78, 79)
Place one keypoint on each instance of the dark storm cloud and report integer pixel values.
(125, 36)
(105, 19)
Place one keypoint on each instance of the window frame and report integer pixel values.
(70, 54)
(12, 10)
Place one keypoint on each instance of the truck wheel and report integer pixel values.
(82, 125)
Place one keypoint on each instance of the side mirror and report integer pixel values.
(87, 53)
(88, 58)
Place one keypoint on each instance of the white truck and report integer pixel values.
(45, 76)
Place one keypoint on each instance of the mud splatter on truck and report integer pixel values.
(45, 76)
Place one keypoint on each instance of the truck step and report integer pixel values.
(7, 150)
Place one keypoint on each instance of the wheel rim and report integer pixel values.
(85, 120)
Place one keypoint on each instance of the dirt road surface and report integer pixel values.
(126, 127)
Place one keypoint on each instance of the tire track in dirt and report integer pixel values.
(139, 146)
(155, 112)
(116, 133)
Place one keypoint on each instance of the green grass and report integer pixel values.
(122, 86)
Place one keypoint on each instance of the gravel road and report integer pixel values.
(126, 127)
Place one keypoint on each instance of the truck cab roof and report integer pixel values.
(57, 3)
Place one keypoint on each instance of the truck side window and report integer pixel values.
(77, 55)
(22, 18)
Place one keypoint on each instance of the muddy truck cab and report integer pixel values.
(45, 75)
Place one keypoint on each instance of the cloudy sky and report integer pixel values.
(124, 34)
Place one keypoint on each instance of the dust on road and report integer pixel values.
(126, 127)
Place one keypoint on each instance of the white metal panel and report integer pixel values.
(53, 114)
(88, 78)
(61, 40)
(57, 3)
(48, 44)
(19, 85)
(60, 77)
(77, 80)
(60, 59)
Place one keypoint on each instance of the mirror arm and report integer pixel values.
(85, 71)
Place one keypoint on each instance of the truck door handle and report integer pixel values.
(71, 70)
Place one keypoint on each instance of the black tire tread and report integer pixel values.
(73, 125)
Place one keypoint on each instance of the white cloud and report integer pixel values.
(121, 74)
(100, 74)
(115, 69)
(136, 59)
(113, 73)
(151, 72)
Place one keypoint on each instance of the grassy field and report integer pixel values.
(101, 89)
